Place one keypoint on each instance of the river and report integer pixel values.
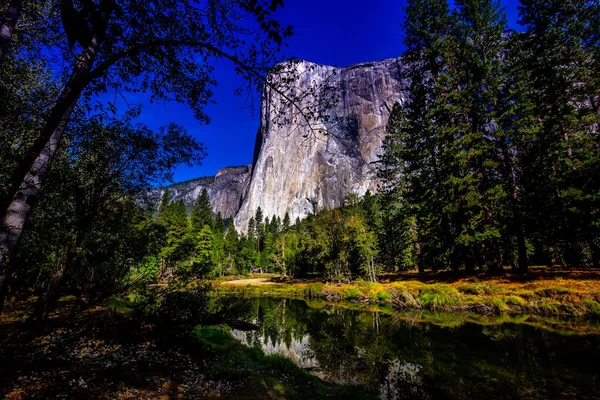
(424, 355)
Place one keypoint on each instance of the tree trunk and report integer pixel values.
(18, 210)
(8, 25)
(47, 301)
(522, 262)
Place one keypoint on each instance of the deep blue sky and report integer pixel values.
(333, 32)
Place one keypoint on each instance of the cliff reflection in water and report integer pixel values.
(450, 359)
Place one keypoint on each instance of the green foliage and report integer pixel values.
(438, 296)
(352, 293)
(515, 300)
(364, 286)
(202, 212)
(382, 296)
(314, 290)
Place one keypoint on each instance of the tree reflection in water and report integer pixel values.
(446, 358)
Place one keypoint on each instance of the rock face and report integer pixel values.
(226, 190)
(301, 165)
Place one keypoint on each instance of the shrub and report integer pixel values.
(479, 289)
(314, 290)
(552, 291)
(593, 307)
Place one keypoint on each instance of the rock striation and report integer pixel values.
(302, 165)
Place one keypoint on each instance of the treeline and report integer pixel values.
(495, 160)
(340, 243)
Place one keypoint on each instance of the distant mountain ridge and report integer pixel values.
(226, 189)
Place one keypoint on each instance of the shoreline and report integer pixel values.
(569, 296)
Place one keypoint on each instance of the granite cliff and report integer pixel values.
(300, 166)
(226, 190)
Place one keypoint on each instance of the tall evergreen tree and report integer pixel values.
(164, 205)
(202, 212)
(286, 222)
(561, 174)
(480, 27)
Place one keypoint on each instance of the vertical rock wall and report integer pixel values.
(300, 167)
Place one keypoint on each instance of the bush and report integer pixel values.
(314, 290)
(593, 307)
(405, 299)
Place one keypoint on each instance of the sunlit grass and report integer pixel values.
(502, 294)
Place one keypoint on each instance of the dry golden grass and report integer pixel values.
(546, 291)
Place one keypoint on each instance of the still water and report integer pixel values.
(423, 355)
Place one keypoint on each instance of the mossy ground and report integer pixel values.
(543, 291)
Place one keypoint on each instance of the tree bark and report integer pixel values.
(18, 210)
(8, 25)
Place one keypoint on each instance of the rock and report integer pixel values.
(226, 190)
(300, 168)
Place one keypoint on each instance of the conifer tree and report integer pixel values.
(202, 212)
(203, 260)
(560, 177)
(162, 209)
(480, 27)
(176, 250)
(286, 222)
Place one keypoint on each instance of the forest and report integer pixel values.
(493, 163)
(491, 166)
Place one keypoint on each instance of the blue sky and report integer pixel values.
(333, 32)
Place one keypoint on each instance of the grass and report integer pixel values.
(541, 292)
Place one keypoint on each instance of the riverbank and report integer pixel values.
(544, 291)
(107, 353)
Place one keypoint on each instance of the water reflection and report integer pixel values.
(402, 358)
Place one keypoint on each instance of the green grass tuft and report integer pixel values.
(314, 290)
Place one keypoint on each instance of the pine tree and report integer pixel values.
(560, 177)
(286, 222)
(203, 260)
(176, 250)
(260, 229)
(426, 130)
(480, 27)
(219, 225)
(162, 209)
(202, 212)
